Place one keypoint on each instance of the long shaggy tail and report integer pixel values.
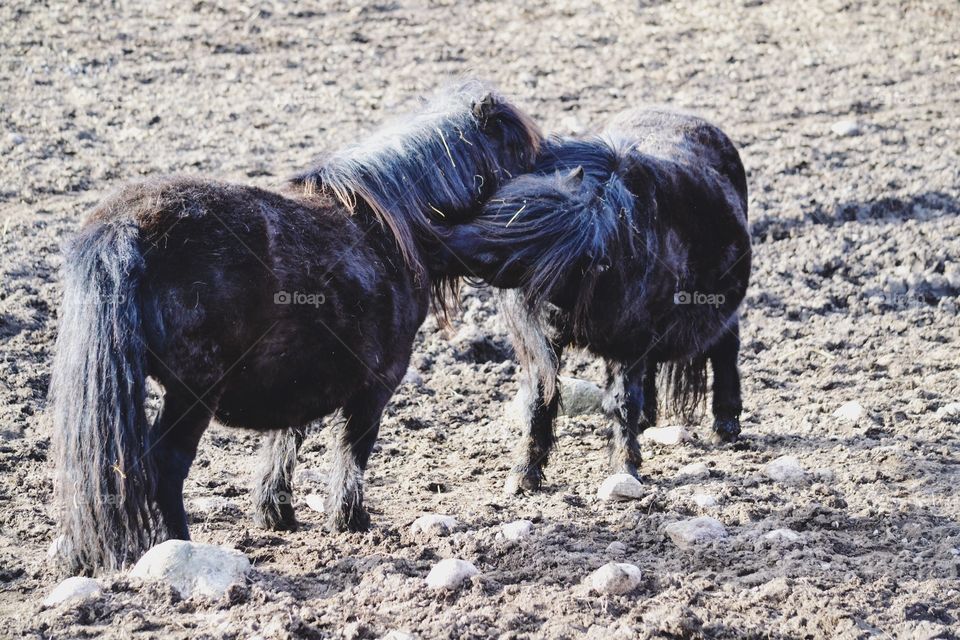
(685, 383)
(104, 476)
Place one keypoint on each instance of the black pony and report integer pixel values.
(633, 245)
(260, 310)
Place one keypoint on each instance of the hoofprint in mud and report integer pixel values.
(853, 299)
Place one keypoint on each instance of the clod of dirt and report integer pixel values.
(616, 548)
(193, 568)
(704, 500)
(782, 536)
(846, 128)
(450, 573)
(851, 411)
(434, 524)
(950, 411)
(620, 486)
(516, 530)
(615, 578)
(669, 436)
(694, 470)
(785, 469)
(687, 533)
(72, 590)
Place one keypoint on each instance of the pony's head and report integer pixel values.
(436, 165)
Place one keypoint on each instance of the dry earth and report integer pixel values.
(854, 297)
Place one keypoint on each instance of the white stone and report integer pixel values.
(951, 410)
(72, 590)
(846, 128)
(517, 530)
(434, 524)
(851, 411)
(398, 635)
(193, 568)
(616, 548)
(668, 436)
(704, 500)
(450, 573)
(785, 469)
(687, 533)
(315, 501)
(580, 397)
(782, 535)
(694, 470)
(16, 139)
(615, 578)
(620, 486)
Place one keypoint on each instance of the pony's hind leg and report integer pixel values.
(650, 408)
(533, 451)
(273, 479)
(625, 401)
(353, 442)
(727, 402)
(176, 435)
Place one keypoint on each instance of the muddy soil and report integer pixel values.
(847, 117)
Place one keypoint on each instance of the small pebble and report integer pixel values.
(616, 548)
(851, 411)
(616, 578)
(315, 501)
(620, 486)
(704, 500)
(846, 128)
(694, 470)
(434, 524)
(687, 533)
(398, 635)
(517, 529)
(72, 590)
(450, 573)
(782, 535)
(668, 436)
(785, 469)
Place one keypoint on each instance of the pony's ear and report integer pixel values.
(482, 107)
(575, 178)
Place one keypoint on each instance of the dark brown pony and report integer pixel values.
(260, 310)
(633, 245)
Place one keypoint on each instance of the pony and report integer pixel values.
(264, 310)
(633, 245)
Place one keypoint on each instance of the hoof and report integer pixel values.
(726, 430)
(524, 481)
(356, 520)
(276, 517)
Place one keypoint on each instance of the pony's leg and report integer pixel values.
(625, 401)
(353, 442)
(537, 440)
(273, 479)
(650, 409)
(727, 402)
(176, 435)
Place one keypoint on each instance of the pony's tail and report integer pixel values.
(685, 382)
(104, 477)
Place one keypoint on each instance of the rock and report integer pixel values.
(694, 470)
(580, 397)
(824, 474)
(517, 529)
(398, 635)
(785, 469)
(669, 436)
(450, 573)
(620, 486)
(72, 590)
(850, 411)
(193, 568)
(434, 524)
(687, 533)
(615, 578)
(616, 548)
(16, 139)
(315, 501)
(704, 500)
(782, 535)
(951, 410)
(846, 128)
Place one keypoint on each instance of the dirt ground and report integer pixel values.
(847, 117)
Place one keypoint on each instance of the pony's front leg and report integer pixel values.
(626, 403)
(273, 479)
(533, 451)
(352, 445)
(727, 402)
